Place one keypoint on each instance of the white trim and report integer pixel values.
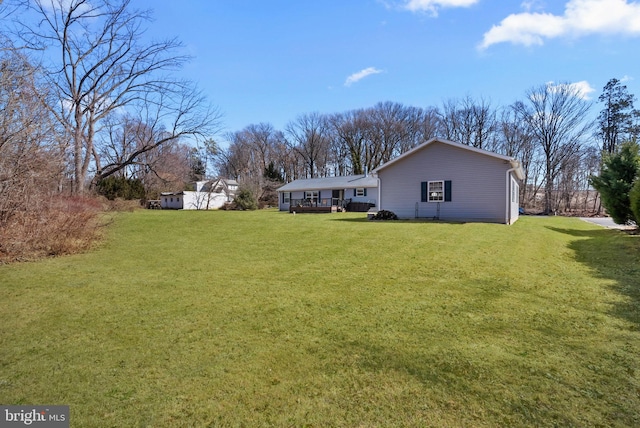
(432, 195)
(314, 195)
(507, 207)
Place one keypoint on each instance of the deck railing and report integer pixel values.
(322, 202)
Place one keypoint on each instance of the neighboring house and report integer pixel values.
(329, 194)
(451, 181)
(208, 195)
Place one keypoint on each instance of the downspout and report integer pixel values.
(378, 204)
(507, 208)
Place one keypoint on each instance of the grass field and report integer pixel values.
(270, 319)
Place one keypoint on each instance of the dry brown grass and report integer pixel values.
(61, 225)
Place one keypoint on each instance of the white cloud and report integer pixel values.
(529, 5)
(626, 78)
(581, 17)
(432, 6)
(581, 89)
(356, 77)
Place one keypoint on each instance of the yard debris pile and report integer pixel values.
(384, 215)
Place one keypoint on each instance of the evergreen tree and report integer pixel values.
(197, 166)
(617, 120)
(634, 197)
(619, 172)
(271, 173)
(245, 200)
(113, 187)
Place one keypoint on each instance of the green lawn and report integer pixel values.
(270, 319)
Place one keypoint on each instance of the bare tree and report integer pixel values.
(386, 131)
(469, 122)
(256, 158)
(103, 66)
(428, 125)
(517, 140)
(129, 148)
(557, 118)
(310, 141)
(31, 162)
(349, 134)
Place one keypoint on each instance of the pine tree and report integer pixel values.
(616, 120)
(619, 172)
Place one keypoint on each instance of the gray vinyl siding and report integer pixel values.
(372, 195)
(478, 182)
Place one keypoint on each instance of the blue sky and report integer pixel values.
(271, 61)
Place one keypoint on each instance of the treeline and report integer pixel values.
(551, 131)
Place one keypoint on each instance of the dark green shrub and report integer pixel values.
(619, 172)
(245, 201)
(634, 198)
(113, 187)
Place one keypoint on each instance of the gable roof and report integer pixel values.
(514, 163)
(325, 183)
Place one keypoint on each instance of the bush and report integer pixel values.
(245, 200)
(114, 187)
(385, 215)
(62, 225)
(634, 198)
(619, 171)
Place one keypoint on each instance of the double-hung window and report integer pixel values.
(436, 191)
(360, 192)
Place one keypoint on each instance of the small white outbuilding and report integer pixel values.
(208, 195)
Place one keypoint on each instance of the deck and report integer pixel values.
(314, 209)
(328, 205)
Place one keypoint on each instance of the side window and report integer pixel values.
(436, 191)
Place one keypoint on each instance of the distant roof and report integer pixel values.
(514, 163)
(342, 182)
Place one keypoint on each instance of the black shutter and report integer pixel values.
(365, 191)
(354, 193)
(447, 191)
(424, 191)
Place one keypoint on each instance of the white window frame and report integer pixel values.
(312, 195)
(287, 198)
(359, 192)
(433, 193)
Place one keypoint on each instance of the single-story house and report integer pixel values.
(442, 179)
(329, 194)
(208, 195)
